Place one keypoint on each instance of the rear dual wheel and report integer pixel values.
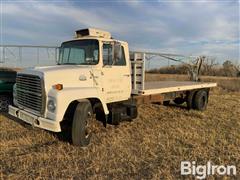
(197, 100)
(179, 101)
(176, 101)
(200, 100)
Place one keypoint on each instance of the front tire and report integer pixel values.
(5, 101)
(83, 117)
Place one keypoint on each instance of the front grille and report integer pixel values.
(30, 93)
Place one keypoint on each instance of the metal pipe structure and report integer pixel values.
(28, 46)
(10, 50)
(17, 55)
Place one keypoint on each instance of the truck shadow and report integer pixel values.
(180, 106)
(12, 118)
(173, 105)
(64, 136)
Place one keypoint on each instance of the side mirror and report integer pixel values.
(117, 52)
(60, 55)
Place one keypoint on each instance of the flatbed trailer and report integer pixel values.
(157, 87)
(160, 91)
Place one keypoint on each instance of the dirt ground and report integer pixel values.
(150, 147)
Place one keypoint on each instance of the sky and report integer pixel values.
(202, 27)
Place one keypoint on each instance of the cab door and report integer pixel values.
(116, 78)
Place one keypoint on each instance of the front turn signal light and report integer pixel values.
(58, 87)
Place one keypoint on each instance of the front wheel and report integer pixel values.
(83, 118)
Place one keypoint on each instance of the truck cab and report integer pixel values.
(93, 69)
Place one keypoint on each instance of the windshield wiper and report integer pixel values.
(67, 64)
(85, 63)
(89, 63)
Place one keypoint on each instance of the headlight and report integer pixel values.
(51, 105)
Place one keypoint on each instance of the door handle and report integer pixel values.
(127, 75)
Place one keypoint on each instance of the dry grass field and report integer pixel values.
(150, 147)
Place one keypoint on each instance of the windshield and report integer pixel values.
(81, 52)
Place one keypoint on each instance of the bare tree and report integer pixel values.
(209, 63)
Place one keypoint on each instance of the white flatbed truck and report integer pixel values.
(96, 78)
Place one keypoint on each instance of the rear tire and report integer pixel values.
(5, 101)
(189, 100)
(83, 117)
(200, 100)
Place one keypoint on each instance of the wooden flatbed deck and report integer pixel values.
(158, 87)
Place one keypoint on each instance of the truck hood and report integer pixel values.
(67, 75)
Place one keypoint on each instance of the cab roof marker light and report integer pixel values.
(92, 32)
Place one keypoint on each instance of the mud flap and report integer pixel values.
(105, 122)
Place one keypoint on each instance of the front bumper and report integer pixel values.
(35, 120)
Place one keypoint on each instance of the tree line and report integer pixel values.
(209, 67)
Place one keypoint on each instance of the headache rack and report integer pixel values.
(137, 72)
